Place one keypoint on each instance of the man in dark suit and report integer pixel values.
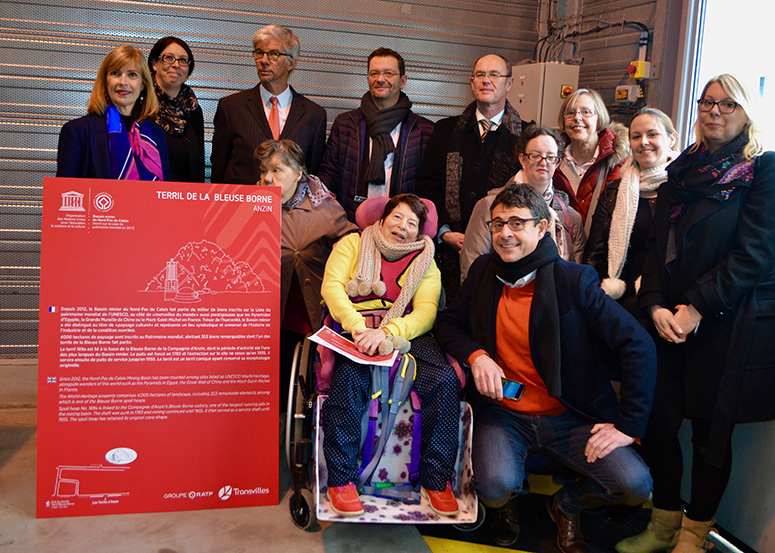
(376, 150)
(468, 155)
(272, 109)
(526, 316)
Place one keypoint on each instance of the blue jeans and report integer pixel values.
(504, 439)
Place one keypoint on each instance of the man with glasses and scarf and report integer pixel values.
(270, 110)
(531, 327)
(376, 150)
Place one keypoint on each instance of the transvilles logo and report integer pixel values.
(224, 493)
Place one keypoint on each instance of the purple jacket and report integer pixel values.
(342, 162)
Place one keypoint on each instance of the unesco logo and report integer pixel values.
(103, 201)
(224, 493)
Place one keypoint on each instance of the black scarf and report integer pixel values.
(545, 252)
(174, 112)
(544, 313)
(379, 124)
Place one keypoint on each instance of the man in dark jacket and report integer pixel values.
(376, 150)
(468, 155)
(271, 110)
(531, 325)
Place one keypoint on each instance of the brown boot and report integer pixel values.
(660, 535)
(693, 537)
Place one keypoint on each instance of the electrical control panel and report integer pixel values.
(540, 89)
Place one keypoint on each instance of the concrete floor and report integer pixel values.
(256, 529)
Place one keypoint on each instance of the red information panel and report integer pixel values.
(159, 340)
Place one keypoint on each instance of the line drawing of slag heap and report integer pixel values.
(203, 268)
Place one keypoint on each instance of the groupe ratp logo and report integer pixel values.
(188, 495)
(227, 491)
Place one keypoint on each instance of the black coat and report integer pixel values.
(726, 270)
(596, 251)
(187, 150)
(564, 346)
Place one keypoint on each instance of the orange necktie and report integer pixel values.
(274, 118)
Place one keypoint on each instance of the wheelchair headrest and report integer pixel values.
(371, 210)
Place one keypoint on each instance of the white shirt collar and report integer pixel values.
(496, 120)
(283, 99)
(522, 281)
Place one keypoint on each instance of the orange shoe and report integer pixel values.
(345, 501)
(444, 503)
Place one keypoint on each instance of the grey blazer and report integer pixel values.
(241, 125)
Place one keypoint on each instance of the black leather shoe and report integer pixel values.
(569, 538)
(504, 529)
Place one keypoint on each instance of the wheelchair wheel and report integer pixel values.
(481, 514)
(302, 507)
(293, 391)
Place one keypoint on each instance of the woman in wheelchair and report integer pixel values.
(389, 267)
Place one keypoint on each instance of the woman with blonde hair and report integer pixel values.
(708, 286)
(622, 223)
(118, 138)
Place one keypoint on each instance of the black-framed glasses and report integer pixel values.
(586, 113)
(724, 106)
(169, 59)
(535, 157)
(271, 55)
(514, 223)
(492, 75)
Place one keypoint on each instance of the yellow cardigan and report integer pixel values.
(341, 268)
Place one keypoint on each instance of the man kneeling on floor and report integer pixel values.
(531, 324)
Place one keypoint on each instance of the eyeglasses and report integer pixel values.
(586, 113)
(169, 59)
(386, 74)
(271, 55)
(725, 106)
(492, 75)
(535, 157)
(514, 223)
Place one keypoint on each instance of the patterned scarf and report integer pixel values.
(133, 155)
(368, 277)
(502, 162)
(174, 112)
(318, 193)
(702, 173)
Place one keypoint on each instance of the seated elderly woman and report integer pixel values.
(312, 222)
(390, 266)
(540, 151)
(118, 138)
